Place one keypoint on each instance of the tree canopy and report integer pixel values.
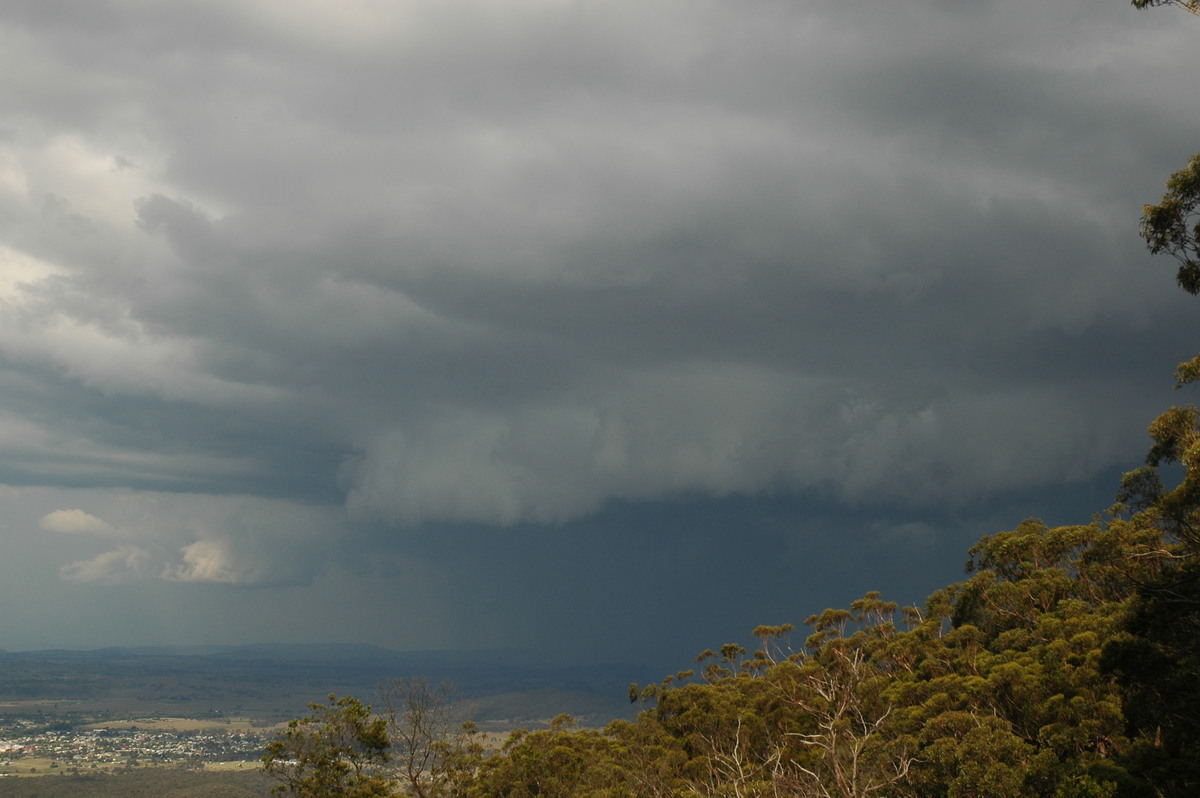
(1187, 5)
(1173, 225)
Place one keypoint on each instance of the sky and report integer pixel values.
(597, 331)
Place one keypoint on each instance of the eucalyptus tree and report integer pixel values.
(337, 751)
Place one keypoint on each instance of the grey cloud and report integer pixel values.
(721, 431)
(702, 428)
(511, 266)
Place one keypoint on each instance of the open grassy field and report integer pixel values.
(170, 724)
(147, 783)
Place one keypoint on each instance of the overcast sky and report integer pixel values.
(600, 329)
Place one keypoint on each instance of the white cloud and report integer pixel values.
(209, 561)
(98, 179)
(120, 566)
(178, 537)
(344, 26)
(124, 359)
(77, 522)
(18, 270)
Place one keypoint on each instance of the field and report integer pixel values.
(148, 783)
(225, 725)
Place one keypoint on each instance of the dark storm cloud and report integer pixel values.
(504, 264)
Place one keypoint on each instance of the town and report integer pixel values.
(29, 748)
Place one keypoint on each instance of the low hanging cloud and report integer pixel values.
(722, 434)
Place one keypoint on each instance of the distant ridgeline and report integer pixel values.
(275, 682)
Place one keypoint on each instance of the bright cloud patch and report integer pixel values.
(120, 566)
(194, 538)
(209, 561)
(76, 522)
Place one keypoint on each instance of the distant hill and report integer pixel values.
(276, 681)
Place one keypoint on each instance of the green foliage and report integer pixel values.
(335, 751)
(1157, 661)
(428, 754)
(995, 688)
(342, 749)
(1173, 226)
(560, 762)
(1187, 5)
